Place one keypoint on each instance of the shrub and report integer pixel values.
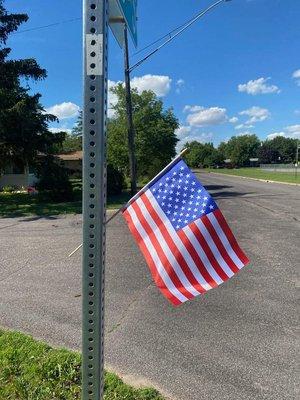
(9, 189)
(54, 182)
(115, 180)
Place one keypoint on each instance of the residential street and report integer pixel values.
(237, 342)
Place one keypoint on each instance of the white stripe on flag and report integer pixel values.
(213, 247)
(160, 268)
(201, 253)
(224, 240)
(178, 242)
(168, 253)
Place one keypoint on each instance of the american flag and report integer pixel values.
(183, 235)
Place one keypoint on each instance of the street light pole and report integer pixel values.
(130, 126)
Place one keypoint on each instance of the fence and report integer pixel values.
(279, 167)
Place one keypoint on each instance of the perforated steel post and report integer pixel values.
(94, 195)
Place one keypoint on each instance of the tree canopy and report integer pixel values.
(202, 155)
(278, 150)
(154, 128)
(240, 149)
(23, 121)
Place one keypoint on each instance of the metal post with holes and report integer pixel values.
(94, 195)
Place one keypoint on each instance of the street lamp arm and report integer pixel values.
(198, 16)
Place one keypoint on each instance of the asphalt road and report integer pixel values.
(237, 342)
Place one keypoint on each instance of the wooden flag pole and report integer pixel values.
(139, 193)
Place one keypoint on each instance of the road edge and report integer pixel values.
(254, 179)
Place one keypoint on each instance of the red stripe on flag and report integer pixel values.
(176, 252)
(197, 260)
(155, 274)
(219, 244)
(208, 252)
(239, 252)
(164, 260)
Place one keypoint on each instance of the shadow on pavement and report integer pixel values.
(217, 191)
(216, 187)
(38, 217)
(226, 194)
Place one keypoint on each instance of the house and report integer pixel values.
(72, 162)
(19, 178)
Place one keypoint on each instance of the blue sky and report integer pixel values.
(236, 70)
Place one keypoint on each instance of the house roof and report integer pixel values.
(74, 156)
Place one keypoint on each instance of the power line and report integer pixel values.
(48, 26)
(161, 38)
(164, 36)
(169, 34)
(182, 29)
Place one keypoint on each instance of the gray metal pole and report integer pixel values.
(130, 126)
(94, 195)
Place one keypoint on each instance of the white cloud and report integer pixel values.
(112, 99)
(201, 116)
(187, 133)
(64, 110)
(202, 137)
(296, 76)
(256, 114)
(243, 126)
(258, 86)
(275, 134)
(180, 82)
(192, 108)
(62, 129)
(245, 133)
(179, 85)
(183, 130)
(159, 84)
(291, 131)
(233, 120)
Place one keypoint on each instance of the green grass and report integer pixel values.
(32, 370)
(288, 177)
(22, 204)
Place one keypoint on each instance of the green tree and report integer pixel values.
(155, 133)
(202, 155)
(222, 151)
(241, 148)
(278, 150)
(78, 127)
(23, 122)
(71, 143)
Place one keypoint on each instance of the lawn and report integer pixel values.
(288, 177)
(30, 369)
(22, 204)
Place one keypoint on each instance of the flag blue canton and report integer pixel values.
(181, 196)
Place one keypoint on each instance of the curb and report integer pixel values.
(256, 179)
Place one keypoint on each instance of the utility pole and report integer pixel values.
(130, 126)
(297, 159)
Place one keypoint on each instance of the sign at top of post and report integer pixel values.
(121, 11)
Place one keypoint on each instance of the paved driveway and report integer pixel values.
(238, 342)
